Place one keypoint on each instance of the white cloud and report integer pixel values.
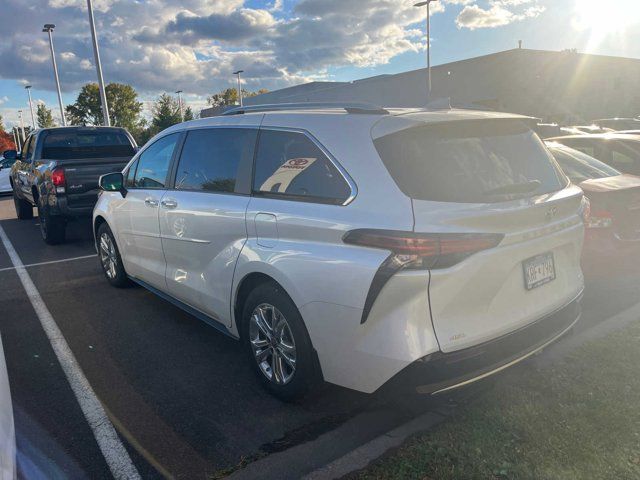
(4, 99)
(498, 13)
(194, 45)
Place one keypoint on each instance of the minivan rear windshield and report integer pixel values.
(74, 145)
(475, 161)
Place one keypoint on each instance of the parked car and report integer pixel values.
(619, 151)
(583, 130)
(613, 226)
(350, 244)
(5, 169)
(59, 170)
(629, 132)
(546, 130)
(619, 123)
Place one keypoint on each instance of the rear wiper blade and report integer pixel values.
(515, 188)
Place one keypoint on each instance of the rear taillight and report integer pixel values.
(585, 210)
(416, 251)
(599, 219)
(425, 250)
(57, 177)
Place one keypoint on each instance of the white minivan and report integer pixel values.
(349, 243)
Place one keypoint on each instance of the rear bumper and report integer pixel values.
(441, 372)
(62, 207)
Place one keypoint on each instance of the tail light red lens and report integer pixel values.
(428, 250)
(599, 219)
(416, 251)
(57, 177)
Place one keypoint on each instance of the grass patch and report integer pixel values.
(577, 420)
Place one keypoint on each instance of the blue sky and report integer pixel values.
(194, 45)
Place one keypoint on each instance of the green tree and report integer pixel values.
(188, 114)
(124, 107)
(166, 112)
(44, 116)
(230, 96)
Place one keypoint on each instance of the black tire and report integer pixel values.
(53, 229)
(117, 277)
(24, 210)
(305, 377)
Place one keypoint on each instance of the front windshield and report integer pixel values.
(579, 166)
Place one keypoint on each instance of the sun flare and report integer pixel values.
(606, 18)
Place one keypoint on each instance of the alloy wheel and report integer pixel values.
(272, 343)
(108, 256)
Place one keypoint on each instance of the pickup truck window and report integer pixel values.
(26, 157)
(74, 145)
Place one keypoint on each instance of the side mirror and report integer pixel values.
(10, 154)
(113, 182)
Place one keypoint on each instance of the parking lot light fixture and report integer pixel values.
(33, 118)
(179, 93)
(48, 28)
(427, 3)
(239, 86)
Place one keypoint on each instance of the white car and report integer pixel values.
(5, 169)
(351, 243)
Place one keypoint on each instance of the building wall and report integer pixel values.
(559, 86)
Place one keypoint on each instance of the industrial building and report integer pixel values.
(566, 86)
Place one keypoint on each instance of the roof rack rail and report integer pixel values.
(358, 108)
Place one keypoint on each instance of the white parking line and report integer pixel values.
(112, 449)
(50, 262)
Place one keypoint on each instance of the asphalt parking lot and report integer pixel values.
(180, 395)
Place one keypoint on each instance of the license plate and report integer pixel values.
(539, 270)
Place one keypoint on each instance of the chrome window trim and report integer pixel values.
(345, 175)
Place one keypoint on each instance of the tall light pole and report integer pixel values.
(33, 118)
(179, 92)
(24, 137)
(239, 85)
(427, 3)
(48, 28)
(96, 54)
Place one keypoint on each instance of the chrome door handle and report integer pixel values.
(151, 202)
(170, 204)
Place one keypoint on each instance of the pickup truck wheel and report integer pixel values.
(24, 210)
(110, 259)
(278, 343)
(53, 229)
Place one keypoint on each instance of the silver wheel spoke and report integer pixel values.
(259, 343)
(262, 355)
(290, 360)
(262, 324)
(104, 245)
(278, 368)
(272, 344)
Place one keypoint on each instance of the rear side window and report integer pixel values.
(154, 162)
(211, 158)
(580, 167)
(625, 156)
(479, 161)
(291, 165)
(74, 145)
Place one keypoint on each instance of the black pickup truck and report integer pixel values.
(58, 172)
